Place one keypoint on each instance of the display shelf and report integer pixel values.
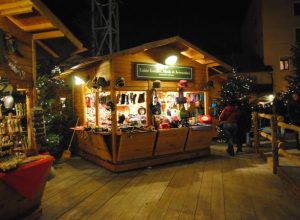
(38, 125)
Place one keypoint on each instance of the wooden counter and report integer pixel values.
(136, 145)
(171, 141)
(95, 144)
(142, 149)
(199, 138)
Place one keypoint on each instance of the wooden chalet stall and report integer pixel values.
(27, 29)
(131, 82)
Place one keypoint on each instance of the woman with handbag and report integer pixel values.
(229, 118)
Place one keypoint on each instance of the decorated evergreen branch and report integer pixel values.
(237, 87)
(294, 79)
(58, 118)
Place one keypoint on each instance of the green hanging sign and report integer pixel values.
(146, 71)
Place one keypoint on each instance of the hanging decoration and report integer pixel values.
(11, 45)
(15, 67)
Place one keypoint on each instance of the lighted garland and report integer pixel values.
(236, 88)
(294, 79)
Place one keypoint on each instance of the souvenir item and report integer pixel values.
(142, 111)
(182, 84)
(156, 84)
(8, 101)
(141, 98)
(181, 99)
(120, 82)
(134, 98)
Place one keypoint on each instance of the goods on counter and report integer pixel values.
(12, 162)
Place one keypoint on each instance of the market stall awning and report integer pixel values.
(47, 30)
(173, 44)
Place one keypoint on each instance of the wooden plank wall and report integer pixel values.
(24, 43)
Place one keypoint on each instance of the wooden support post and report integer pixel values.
(255, 132)
(274, 143)
(113, 113)
(97, 94)
(148, 101)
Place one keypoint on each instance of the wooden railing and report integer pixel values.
(276, 122)
(271, 137)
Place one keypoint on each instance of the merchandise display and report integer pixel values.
(132, 108)
(13, 134)
(90, 109)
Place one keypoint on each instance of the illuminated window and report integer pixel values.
(284, 63)
(297, 9)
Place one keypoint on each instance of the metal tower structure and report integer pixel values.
(105, 27)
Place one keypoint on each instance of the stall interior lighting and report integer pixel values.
(271, 97)
(78, 80)
(171, 60)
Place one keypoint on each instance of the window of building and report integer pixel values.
(284, 63)
(297, 35)
(297, 9)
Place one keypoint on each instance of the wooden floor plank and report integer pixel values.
(110, 209)
(73, 195)
(219, 187)
(203, 209)
(263, 182)
(144, 196)
(156, 191)
(169, 195)
(190, 201)
(217, 197)
(99, 198)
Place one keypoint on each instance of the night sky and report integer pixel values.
(212, 25)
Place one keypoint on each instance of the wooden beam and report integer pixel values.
(81, 50)
(47, 35)
(18, 4)
(218, 71)
(213, 64)
(32, 27)
(47, 49)
(43, 10)
(38, 27)
(16, 11)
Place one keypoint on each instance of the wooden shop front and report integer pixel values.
(132, 112)
(27, 28)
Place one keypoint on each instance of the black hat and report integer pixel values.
(120, 82)
(99, 82)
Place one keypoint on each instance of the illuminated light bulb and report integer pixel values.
(78, 80)
(171, 60)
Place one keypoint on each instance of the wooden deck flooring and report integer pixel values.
(217, 187)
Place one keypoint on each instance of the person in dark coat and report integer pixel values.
(229, 117)
(293, 113)
(278, 106)
(279, 109)
(244, 125)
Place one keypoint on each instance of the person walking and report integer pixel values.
(244, 125)
(229, 118)
(279, 109)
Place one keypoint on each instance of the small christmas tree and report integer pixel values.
(58, 118)
(237, 87)
(294, 79)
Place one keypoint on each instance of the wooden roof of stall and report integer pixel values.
(33, 17)
(172, 44)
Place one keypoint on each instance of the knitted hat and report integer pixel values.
(120, 82)
(182, 83)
